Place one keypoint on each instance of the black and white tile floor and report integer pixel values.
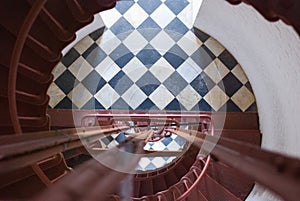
(150, 57)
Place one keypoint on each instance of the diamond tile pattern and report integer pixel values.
(152, 62)
(155, 61)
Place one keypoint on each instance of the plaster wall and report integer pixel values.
(270, 56)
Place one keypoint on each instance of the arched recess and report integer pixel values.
(270, 56)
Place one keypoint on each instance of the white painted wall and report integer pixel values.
(270, 56)
(80, 34)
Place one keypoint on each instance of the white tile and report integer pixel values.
(162, 42)
(108, 42)
(134, 69)
(80, 95)
(107, 96)
(158, 146)
(189, 43)
(189, 70)
(162, 16)
(170, 159)
(144, 161)
(135, 15)
(216, 98)
(161, 69)
(110, 17)
(173, 146)
(239, 73)
(214, 46)
(135, 42)
(216, 70)
(161, 97)
(83, 44)
(134, 96)
(159, 162)
(188, 97)
(58, 70)
(186, 16)
(80, 68)
(243, 98)
(56, 95)
(107, 69)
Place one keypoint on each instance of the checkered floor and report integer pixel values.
(150, 57)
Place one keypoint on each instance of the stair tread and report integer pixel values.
(214, 191)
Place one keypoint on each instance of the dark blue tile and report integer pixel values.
(176, 6)
(200, 34)
(228, 59)
(175, 83)
(123, 60)
(149, 29)
(122, 28)
(123, 6)
(94, 55)
(65, 103)
(231, 84)
(121, 137)
(120, 104)
(149, 5)
(203, 57)
(147, 105)
(229, 106)
(148, 56)
(70, 57)
(176, 56)
(178, 51)
(93, 104)
(66, 81)
(148, 83)
(107, 140)
(93, 82)
(180, 141)
(151, 166)
(97, 34)
(252, 108)
(202, 84)
(174, 59)
(202, 105)
(174, 105)
(249, 87)
(119, 52)
(120, 82)
(166, 141)
(176, 26)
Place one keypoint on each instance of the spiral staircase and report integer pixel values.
(33, 34)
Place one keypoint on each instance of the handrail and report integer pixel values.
(15, 58)
(19, 152)
(277, 172)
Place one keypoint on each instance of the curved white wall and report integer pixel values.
(270, 56)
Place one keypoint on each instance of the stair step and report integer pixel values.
(78, 11)
(146, 188)
(159, 184)
(236, 182)
(249, 136)
(171, 178)
(214, 191)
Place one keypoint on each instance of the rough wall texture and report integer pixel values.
(270, 56)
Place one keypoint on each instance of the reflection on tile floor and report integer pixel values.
(156, 61)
